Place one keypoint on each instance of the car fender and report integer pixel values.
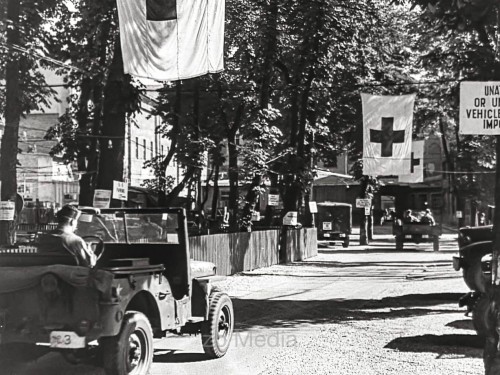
(474, 252)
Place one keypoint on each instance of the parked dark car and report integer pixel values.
(334, 222)
(475, 245)
(144, 286)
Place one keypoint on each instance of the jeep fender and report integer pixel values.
(200, 300)
(147, 295)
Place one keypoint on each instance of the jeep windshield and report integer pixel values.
(123, 227)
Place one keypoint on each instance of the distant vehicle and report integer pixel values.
(334, 222)
(416, 232)
(474, 258)
(144, 286)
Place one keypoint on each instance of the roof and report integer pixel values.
(334, 204)
(335, 180)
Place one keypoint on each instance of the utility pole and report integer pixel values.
(9, 144)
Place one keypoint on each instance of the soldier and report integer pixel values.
(409, 218)
(428, 218)
(63, 239)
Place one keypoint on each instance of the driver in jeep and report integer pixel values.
(64, 240)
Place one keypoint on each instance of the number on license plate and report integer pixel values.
(66, 340)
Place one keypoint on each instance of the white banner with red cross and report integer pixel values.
(387, 134)
(416, 165)
(168, 40)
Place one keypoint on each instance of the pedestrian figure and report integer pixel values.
(409, 218)
(428, 218)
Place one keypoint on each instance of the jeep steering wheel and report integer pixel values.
(96, 243)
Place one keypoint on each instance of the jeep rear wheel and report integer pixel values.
(216, 332)
(131, 351)
(480, 313)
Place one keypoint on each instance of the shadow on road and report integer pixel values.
(290, 313)
(465, 324)
(469, 346)
(171, 356)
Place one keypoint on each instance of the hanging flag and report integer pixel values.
(416, 164)
(168, 40)
(387, 132)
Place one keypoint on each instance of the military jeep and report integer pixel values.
(144, 286)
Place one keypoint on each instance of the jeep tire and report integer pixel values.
(216, 332)
(131, 351)
(480, 313)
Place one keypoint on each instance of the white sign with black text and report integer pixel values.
(479, 108)
(120, 190)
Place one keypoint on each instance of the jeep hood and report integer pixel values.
(201, 269)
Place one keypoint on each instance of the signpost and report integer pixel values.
(273, 200)
(102, 198)
(120, 190)
(7, 209)
(363, 202)
(480, 108)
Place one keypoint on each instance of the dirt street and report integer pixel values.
(362, 310)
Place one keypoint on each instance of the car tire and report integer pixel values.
(131, 351)
(216, 332)
(480, 314)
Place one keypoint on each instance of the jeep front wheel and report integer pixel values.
(216, 332)
(131, 351)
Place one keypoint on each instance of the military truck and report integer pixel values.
(335, 222)
(144, 286)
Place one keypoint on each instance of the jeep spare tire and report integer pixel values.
(217, 331)
(131, 351)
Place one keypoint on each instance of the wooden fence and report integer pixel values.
(237, 252)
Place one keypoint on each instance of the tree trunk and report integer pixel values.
(162, 194)
(9, 145)
(233, 180)
(112, 146)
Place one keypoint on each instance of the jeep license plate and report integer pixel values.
(66, 340)
(326, 235)
(425, 236)
(408, 236)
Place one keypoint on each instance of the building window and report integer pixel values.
(144, 145)
(137, 147)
